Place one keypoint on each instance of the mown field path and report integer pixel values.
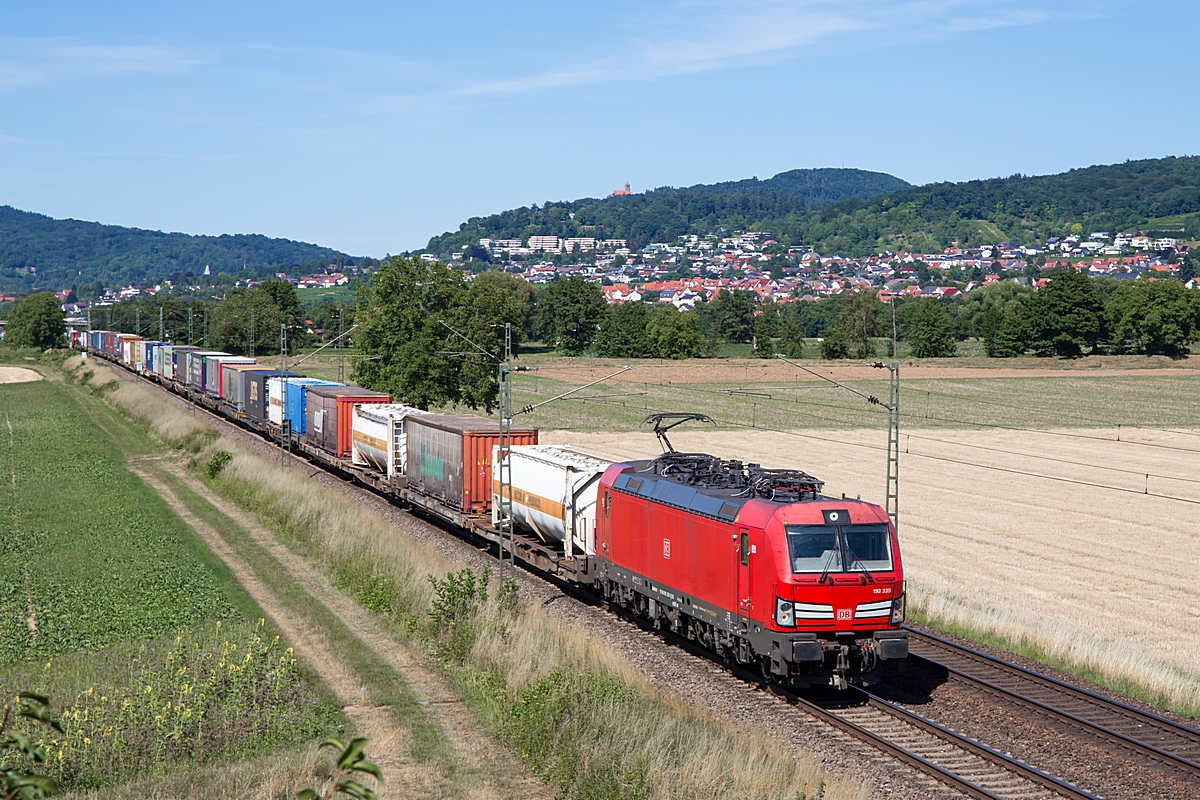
(476, 768)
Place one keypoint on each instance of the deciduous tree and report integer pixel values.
(673, 333)
(407, 351)
(246, 323)
(1065, 316)
(733, 315)
(859, 322)
(569, 314)
(623, 332)
(929, 334)
(1162, 317)
(36, 321)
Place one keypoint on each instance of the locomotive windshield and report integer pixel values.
(847, 548)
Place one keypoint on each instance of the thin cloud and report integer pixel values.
(729, 35)
(27, 62)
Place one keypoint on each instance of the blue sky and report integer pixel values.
(369, 127)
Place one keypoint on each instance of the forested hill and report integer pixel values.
(37, 251)
(880, 213)
(818, 187)
(1151, 195)
(668, 212)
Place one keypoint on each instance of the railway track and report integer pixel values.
(958, 762)
(1147, 737)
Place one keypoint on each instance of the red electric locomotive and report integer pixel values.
(755, 564)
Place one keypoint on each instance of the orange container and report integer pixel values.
(450, 458)
(330, 416)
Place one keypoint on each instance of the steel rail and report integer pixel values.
(915, 760)
(1142, 720)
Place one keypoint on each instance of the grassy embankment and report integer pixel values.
(578, 714)
(111, 607)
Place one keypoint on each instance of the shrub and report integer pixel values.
(217, 463)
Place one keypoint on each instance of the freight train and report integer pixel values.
(755, 564)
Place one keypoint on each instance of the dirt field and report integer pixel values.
(18, 375)
(1095, 576)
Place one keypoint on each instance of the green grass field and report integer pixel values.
(110, 605)
(88, 545)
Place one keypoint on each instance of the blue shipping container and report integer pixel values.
(296, 400)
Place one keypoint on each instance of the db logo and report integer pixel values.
(845, 614)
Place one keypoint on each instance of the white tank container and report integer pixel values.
(380, 436)
(553, 493)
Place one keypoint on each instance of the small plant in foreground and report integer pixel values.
(17, 782)
(217, 463)
(454, 611)
(350, 761)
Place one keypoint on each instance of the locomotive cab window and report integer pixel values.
(835, 548)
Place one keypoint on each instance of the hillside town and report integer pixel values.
(696, 268)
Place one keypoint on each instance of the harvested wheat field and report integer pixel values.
(1099, 578)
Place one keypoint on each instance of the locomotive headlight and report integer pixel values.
(898, 608)
(785, 613)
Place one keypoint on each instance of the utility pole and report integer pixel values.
(893, 455)
(206, 326)
(891, 490)
(504, 519)
(285, 424)
(191, 338)
(503, 504)
(162, 336)
(341, 346)
(253, 344)
(138, 327)
(895, 351)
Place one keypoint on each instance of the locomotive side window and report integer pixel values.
(744, 546)
(843, 548)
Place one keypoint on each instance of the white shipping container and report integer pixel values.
(380, 437)
(553, 493)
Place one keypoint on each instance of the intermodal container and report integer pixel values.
(255, 390)
(197, 367)
(380, 437)
(290, 392)
(329, 415)
(174, 363)
(128, 352)
(214, 372)
(553, 493)
(450, 458)
(231, 382)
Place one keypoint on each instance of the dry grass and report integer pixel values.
(278, 776)
(166, 421)
(1092, 579)
(672, 749)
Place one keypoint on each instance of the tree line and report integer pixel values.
(431, 335)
